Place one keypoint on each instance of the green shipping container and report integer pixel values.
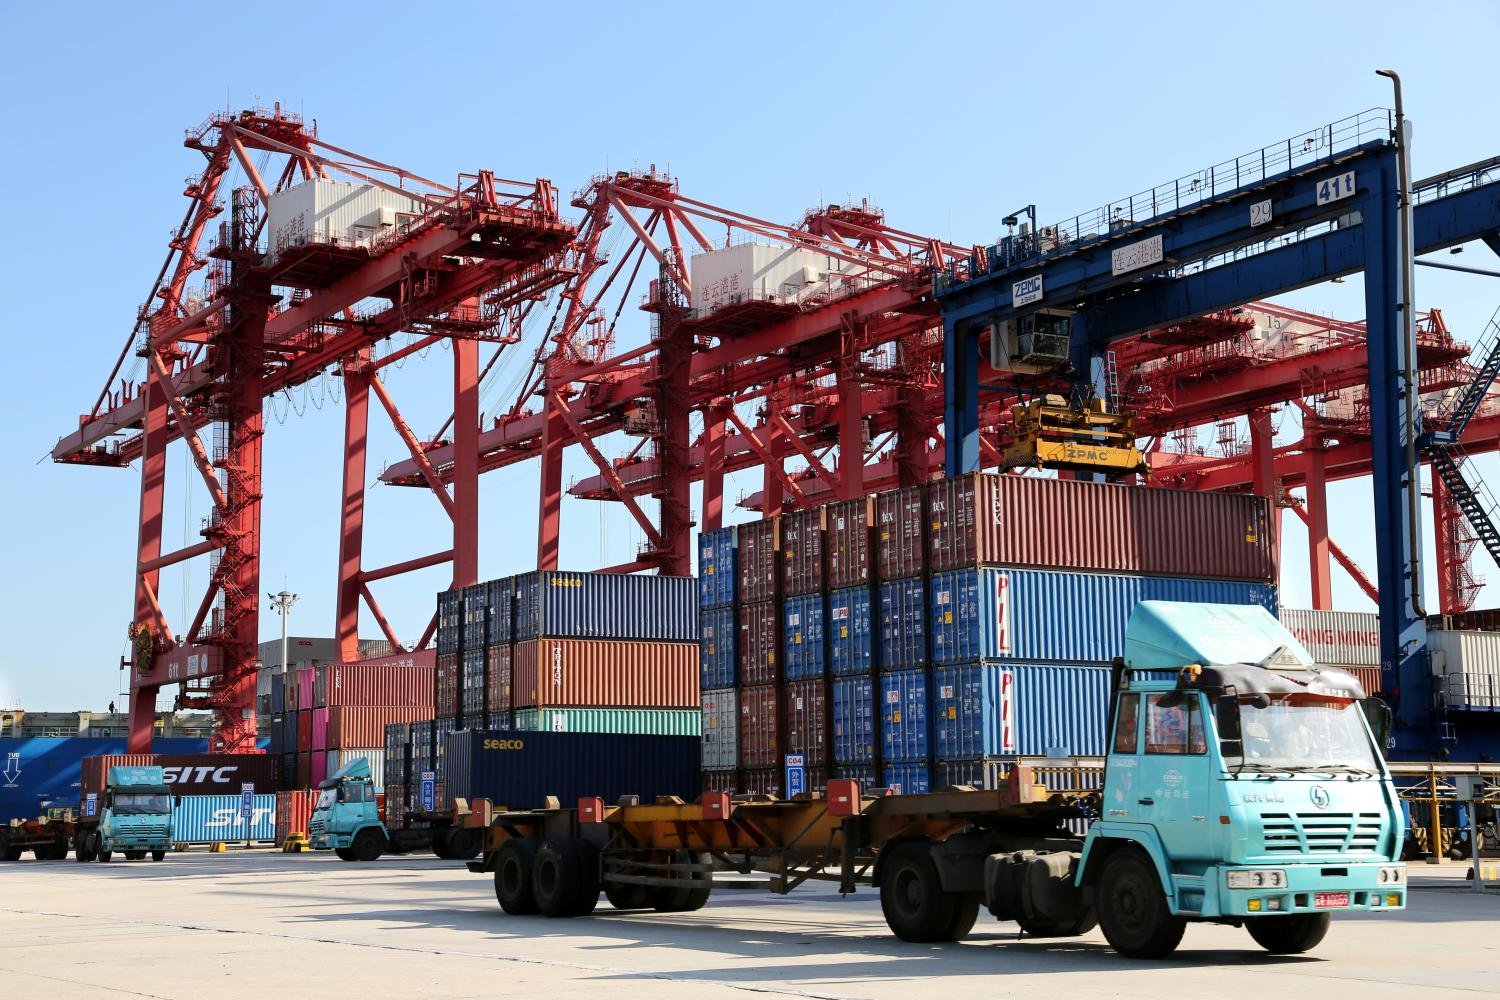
(632, 721)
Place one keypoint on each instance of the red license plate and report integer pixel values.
(1325, 900)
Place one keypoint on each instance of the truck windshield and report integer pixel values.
(141, 803)
(1306, 733)
(326, 798)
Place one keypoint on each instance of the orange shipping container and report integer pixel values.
(293, 810)
(587, 673)
(352, 727)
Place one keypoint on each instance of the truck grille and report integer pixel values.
(1320, 833)
(317, 826)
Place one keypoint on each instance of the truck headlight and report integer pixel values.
(1394, 875)
(1257, 878)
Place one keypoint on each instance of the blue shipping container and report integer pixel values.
(851, 643)
(903, 624)
(214, 819)
(867, 776)
(716, 568)
(802, 642)
(50, 769)
(1007, 709)
(853, 720)
(905, 732)
(520, 769)
(500, 595)
(559, 605)
(908, 779)
(1033, 615)
(717, 631)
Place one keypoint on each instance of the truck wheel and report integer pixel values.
(440, 844)
(628, 897)
(561, 877)
(690, 897)
(8, 853)
(1133, 907)
(965, 912)
(105, 854)
(1058, 928)
(513, 886)
(911, 895)
(82, 851)
(464, 845)
(368, 845)
(158, 855)
(1291, 934)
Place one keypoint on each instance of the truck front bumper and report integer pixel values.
(1331, 887)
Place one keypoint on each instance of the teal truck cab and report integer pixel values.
(346, 819)
(134, 817)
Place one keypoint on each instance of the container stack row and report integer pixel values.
(1349, 640)
(923, 637)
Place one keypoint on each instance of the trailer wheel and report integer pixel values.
(912, 898)
(158, 855)
(464, 844)
(7, 852)
(1133, 907)
(690, 897)
(513, 886)
(562, 876)
(628, 897)
(440, 844)
(1291, 934)
(368, 845)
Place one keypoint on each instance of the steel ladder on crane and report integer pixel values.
(1442, 447)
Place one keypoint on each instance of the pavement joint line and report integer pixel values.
(576, 966)
(81, 982)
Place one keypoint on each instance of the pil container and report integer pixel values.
(717, 630)
(519, 770)
(905, 716)
(720, 730)
(803, 633)
(851, 639)
(909, 778)
(805, 709)
(903, 624)
(756, 562)
(900, 518)
(848, 527)
(589, 673)
(759, 731)
(445, 676)
(1031, 710)
(472, 682)
(500, 609)
(802, 552)
(552, 604)
(717, 571)
(758, 647)
(498, 679)
(853, 721)
(476, 616)
(638, 721)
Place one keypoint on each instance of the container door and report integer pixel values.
(1175, 783)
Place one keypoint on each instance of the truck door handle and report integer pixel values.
(1146, 802)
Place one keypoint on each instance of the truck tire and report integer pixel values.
(1133, 907)
(7, 852)
(440, 844)
(1291, 934)
(965, 912)
(105, 854)
(368, 845)
(81, 849)
(464, 844)
(628, 897)
(912, 898)
(158, 855)
(691, 896)
(343, 853)
(565, 878)
(513, 886)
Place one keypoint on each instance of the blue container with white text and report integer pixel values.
(802, 638)
(908, 779)
(994, 709)
(851, 645)
(905, 715)
(217, 819)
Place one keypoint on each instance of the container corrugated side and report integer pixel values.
(984, 518)
(851, 640)
(758, 569)
(1337, 638)
(867, 775)
(906, 715)
(1048, 615)
(717, 631)
(445, 685)
(397, 752)
(805, 715)
(551, 604)
(901, 532)
(903, 624)
(365, 684)
(293, 810)
(476, 616)
(216, 819)
(853, 720)
(758, 651)
(352, 727)
(848, 542)
(1031, 710)
(500, 598)
(472, 666)
(498, 679)
(375, 758)
(908, 779)
(717, 572)
(759, 732)
(803, 637)
(647, 721)
(320, 729)
(720, 730)
(519, 770)
(802, 552)
(587, 673)
(1466, 668)
(188, 774)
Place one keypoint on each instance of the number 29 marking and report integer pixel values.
(1260, 213)
(1336, 188)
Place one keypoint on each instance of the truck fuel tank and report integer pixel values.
(1036, 889)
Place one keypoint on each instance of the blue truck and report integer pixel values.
(1244, 785)
(346, 819)
(132, 818)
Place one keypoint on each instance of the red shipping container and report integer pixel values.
(757, 560)
(371, 684)
(319, 729)
(1004, 520)
(802, 552)
(758, 643)
(305, 730)
(307, 682)
(445, 702)
(395, 807)
(805, 711)
(362, 727)
(759, 745)
(848, 525)
(586, 673)
(1368, 677)
(190, 774)
(304, 769)
(293, 810)
(498, 696)
(901, 532)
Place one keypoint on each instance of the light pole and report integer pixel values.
(283, 602)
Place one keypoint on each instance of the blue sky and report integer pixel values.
(947, 116)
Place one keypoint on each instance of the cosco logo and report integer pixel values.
(505, 744)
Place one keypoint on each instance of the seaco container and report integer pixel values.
(720, 729)
(217, 819)
(903, 624)
(851, 640)
(606, 606)
(756, 563)
(758, 726)
(900, 518)
(500, 602)
(802, 552)
(982, 518)
(589, 673)
(647, 721)
(191, 774)
(497, 697)
(1032, 710)
(1048, 615)
(853, 720)
(848, 542)
(1336, 638)
(802, 631)
(716, 568)
(374, 684)
(905, 715)
(519, 770)
(805, 720)
(717, 630)
(757, 654)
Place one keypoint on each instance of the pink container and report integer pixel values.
(306, 686)
(318, 769)
(319, 729)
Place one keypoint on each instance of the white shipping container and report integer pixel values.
(721, 731)
(1336, 638)
(376, 758)
(335, 212)
(1466, 667)
(760, 271)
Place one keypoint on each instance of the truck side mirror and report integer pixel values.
(1378, 715)
(1227, 716)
